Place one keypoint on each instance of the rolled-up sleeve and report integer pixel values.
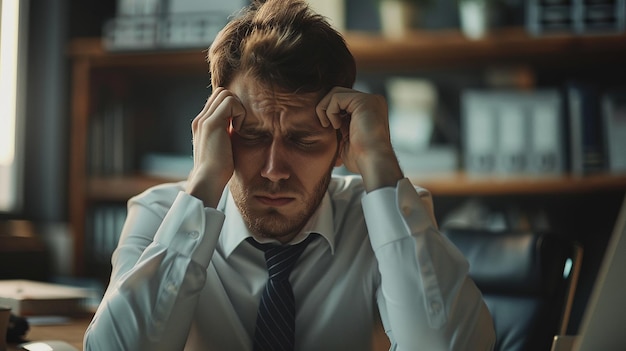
(426, 299)
(159, 268)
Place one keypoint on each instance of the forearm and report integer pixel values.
(428, 298)
(142, 314)
(435, 311)
(156, 278)
(206, 186)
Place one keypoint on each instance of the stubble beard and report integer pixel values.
(270, 223)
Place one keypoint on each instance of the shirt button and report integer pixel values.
(171, 288)
(435, 307)
(406, 210)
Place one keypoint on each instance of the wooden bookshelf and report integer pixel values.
(417, 51)
(121, 188)
(449, 48)
(461, 184)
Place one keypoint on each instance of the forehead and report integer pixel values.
(267, 107)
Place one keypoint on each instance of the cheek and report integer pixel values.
(247, 169)
(311, 167)
(245, 156)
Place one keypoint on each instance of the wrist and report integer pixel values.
(380, 170)
(207, 189)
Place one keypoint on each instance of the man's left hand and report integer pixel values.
(366, 144)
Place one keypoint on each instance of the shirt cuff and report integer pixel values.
(191, 229)
(395, 213)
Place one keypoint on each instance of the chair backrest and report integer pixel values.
(527, 280)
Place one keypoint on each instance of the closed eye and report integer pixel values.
(304, 141)
(252, 137)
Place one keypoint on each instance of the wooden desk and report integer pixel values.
(71, 333)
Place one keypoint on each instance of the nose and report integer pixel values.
(276, 166)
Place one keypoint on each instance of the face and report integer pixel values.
(283, 159)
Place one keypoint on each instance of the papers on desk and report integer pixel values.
(32, 298)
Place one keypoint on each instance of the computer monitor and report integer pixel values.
(604, 320)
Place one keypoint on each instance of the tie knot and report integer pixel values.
(280, 259)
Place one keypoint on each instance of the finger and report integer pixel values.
(217, 99)
(224, 107)
(320, 110)
(237, 112)
(205, 108)
(214, 93)
(226, 110)
(326, 117)
(338, 110)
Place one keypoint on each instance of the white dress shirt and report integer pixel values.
(184, 276)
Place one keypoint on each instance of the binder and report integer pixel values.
(614, 118)
(479, 126)
(547, 150)
(586, 146)
(511, 154)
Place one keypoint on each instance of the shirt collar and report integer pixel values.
(235, 231)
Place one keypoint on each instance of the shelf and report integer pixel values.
(120, 188)
(458, 184)
(447, 48)
(419, 49)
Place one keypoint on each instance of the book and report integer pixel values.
(512, 134)
(166, 165)
(586, 146)
(479, 125)
(614, 116)
(34, 298)
(547, 138)
(578, 16)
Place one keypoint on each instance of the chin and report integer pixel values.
(275, 225)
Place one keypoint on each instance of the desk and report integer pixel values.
(71, 332)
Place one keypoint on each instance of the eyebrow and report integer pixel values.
(303, 127)
(307, 133)
(253, 129)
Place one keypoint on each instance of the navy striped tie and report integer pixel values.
(276, 317)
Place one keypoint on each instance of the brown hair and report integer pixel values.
(284, 44)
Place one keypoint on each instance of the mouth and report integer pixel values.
(274, 201)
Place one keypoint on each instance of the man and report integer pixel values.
(190, 271)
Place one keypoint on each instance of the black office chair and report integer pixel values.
(527, 280)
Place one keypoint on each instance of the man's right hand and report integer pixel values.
(212, 151)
